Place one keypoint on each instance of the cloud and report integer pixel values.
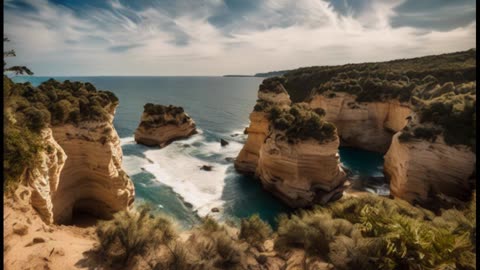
(123, 48)
(214, 37)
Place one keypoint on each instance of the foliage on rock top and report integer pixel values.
(440, 88)
(159, 115)
(299, 122)
(381, 80)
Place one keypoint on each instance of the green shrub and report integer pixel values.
(36, 119)
(161, 113)
(300, 123)
(20, 152)
(254, 230)
(370, 232)
(133, 233)
(61, 111)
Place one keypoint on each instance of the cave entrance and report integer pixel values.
(84, 214)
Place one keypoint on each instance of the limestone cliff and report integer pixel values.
(44, 178)
(300, 171)
(365, 125)
(419, 170)
(160, 125)
(303, 173)
(92, 179)
(247, 159)
(80, 170)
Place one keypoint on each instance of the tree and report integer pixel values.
(17, 69)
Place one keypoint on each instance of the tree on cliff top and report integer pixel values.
(16, 69)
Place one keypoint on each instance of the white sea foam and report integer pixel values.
(178, 166)
(127, 140)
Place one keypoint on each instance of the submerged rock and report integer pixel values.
(223, 142)
(206, 167)
(230, 159)
(215, 210)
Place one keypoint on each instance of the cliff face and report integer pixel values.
(164, 126)
(369, 125)
(300, 173)
(419, 169)
(80, 170)
(247, 160)
(44, 178)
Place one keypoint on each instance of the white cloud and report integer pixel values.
(293, 34)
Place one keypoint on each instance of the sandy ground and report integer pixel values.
(30, 244)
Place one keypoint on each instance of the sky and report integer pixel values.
(217, 37)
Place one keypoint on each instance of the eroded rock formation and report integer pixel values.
(300, 172)
(420, 170)
(80, 170)
(160, 125)
(364, 125)
(44, 178)
(92, 179)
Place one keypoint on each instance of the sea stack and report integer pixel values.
(160, 125)
(291, 149)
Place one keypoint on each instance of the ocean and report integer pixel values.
(170, 178)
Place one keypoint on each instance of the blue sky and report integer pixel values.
(216, 37)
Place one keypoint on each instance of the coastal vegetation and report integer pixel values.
(365, 232)
(440, 88)
(382, 80)
(299, 122)
(158, 115)
(371, 232)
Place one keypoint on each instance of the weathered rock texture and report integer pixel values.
(44, 178)
(300, 174)
(419, 170)
(247, 159)
(303, 173)
(92, 179)
(160, 129)
(368, 125)
(80, 170)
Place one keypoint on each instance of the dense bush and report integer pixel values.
(370, 232)
(362, 232)
(133, 233)
(393, 79)
(452, 109)
(273, 85)
(163, 115)
(254, 230)
(20, 150)
(300, 123)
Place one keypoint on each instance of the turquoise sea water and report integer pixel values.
(171, 178)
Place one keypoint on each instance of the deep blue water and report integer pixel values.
(171, 177)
